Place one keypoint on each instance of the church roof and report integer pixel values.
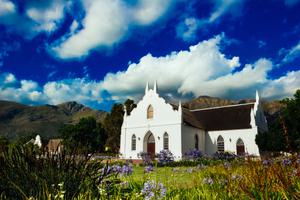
(225, 117)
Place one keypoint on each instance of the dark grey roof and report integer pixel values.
(225, 118)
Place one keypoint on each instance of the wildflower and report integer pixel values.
(286, 162)
(151, 189)
(124, 184)
(208, 181)
(236, 177)
(227, 165)
(126, 169)
(194, 154)
(189, 170)
(165, 156)
(148, 169)
(267, 163)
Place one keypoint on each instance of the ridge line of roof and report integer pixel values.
(210, 108)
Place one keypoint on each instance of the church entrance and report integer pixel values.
(149, 144)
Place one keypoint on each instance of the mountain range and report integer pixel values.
(20, 120)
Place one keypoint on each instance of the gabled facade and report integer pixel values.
(155, 125)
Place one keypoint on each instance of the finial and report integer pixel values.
(147, 88)
(155, 86)
(179, 106)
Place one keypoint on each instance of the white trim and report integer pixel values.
(223, 106)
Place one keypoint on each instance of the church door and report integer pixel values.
(151, 146)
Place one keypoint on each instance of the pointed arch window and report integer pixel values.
(240, 147)
(150, 112)
(220, 144)
(133, 142)
(166, 141)
(196, 142)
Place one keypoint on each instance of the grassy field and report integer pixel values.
(26, 175)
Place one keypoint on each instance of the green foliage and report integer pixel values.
(87, 136)
(112, 125)
(284, 133)
(113, 122)
(3, 143)
(26, 174)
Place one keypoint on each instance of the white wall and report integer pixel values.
(188, 139)
(230, 139)
(165, 119)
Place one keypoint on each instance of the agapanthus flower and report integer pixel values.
(208, 181)
(153, 190)
(286, 162)
(148, 169)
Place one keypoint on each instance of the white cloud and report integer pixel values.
(189, 26)
(37, 17)
(284, 86)
(201, 70)
(291, 54)
(106, 23)
(6, 7)
(187, 29)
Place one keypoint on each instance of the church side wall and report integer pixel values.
(230, 139)
(188, 139)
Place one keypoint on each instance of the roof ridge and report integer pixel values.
(217, 107)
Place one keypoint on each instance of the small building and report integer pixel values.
(54, 146)
(156, 125)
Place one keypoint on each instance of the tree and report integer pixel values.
(113, 123)
(87, 136)
(130, 105)
(284, 133)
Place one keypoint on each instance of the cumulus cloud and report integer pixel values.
(106, 23)
(37, 17)
(201, 70)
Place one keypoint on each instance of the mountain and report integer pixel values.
(21, 120)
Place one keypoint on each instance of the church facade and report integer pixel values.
(156, 125)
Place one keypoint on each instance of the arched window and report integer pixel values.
(240, 147)
(133, 143)
(220, 144)
(150, 112)
(196, 142)
(166, 141)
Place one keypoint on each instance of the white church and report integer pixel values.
(155, 125)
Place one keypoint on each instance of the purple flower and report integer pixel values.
(149, 169)
(165, 156)
(126, 169)
(194, 154)
(151, 189)
(189, 170)
(286, 162)
(145, 157)
(124, 184)
(208, 181)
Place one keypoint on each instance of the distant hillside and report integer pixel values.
(20, 120)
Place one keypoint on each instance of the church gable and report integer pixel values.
(152, 109)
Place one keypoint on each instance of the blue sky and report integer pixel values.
(99, 52)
